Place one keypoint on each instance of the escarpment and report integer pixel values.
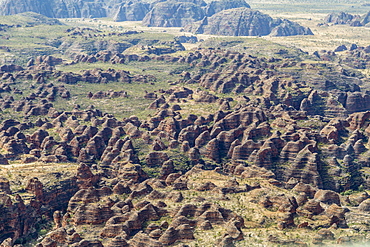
(122, 10)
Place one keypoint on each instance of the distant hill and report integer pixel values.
(28, 18)
(246, 22)
(54, 8)
(121, 10)
(343, 18)
(181, 13)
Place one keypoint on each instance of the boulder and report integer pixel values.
(310, 208)
(365, 206)
(327, 196)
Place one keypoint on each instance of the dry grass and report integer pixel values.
(19, 174)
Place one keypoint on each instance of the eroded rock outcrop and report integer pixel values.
(246, 22)
(173, 14)
(131, 11)
(346, 18)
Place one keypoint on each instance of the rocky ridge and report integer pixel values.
(182, 13)
(246, 22)
(343, 18)
(118, 10)
(54, 8)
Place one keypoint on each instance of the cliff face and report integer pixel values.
(218, 6)
(246, 22)
(77, 9)
(8, 7)
(182, 13)
(161, 13)
(173, 14)
(54, 8)
(130, 11)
